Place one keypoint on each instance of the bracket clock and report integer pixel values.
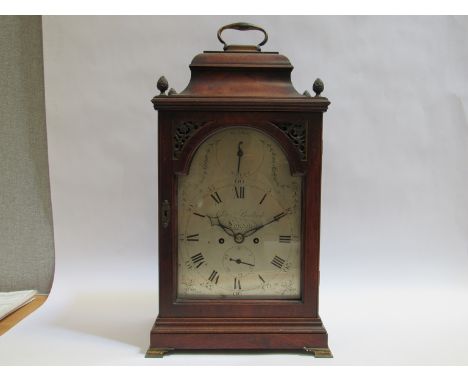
(239, 201)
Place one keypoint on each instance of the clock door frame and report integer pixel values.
(176, 149)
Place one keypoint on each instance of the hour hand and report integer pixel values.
(214, 221)
(239, 261)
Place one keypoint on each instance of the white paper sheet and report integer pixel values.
(11, 301)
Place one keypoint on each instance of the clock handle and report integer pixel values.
(242, 27)
(165, 213)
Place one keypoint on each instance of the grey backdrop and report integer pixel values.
(394, 265)
(26, 233)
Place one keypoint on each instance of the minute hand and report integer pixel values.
(251, 231)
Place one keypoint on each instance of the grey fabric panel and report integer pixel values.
(26, 231)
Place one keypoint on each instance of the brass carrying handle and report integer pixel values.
(242, 27)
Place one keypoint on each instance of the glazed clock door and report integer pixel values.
(239, 220)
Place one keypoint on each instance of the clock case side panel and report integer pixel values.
(167, 200)
(170, 167)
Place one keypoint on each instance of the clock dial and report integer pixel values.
(239, 220)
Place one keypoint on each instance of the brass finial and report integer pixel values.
(306, 93)
(318, 87)
(162, 85)
(171, 92)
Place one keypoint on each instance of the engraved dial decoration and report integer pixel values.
(239, 220)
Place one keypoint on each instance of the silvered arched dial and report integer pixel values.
(239, 220)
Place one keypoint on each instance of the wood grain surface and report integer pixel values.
(11, 320)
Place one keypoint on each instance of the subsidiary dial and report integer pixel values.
(239, 261)
(242, 154)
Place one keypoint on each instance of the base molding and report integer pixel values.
(300, 334)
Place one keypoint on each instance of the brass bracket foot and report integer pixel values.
(319, 352)
(157, 352)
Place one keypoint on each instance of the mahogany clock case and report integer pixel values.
(239, 87)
